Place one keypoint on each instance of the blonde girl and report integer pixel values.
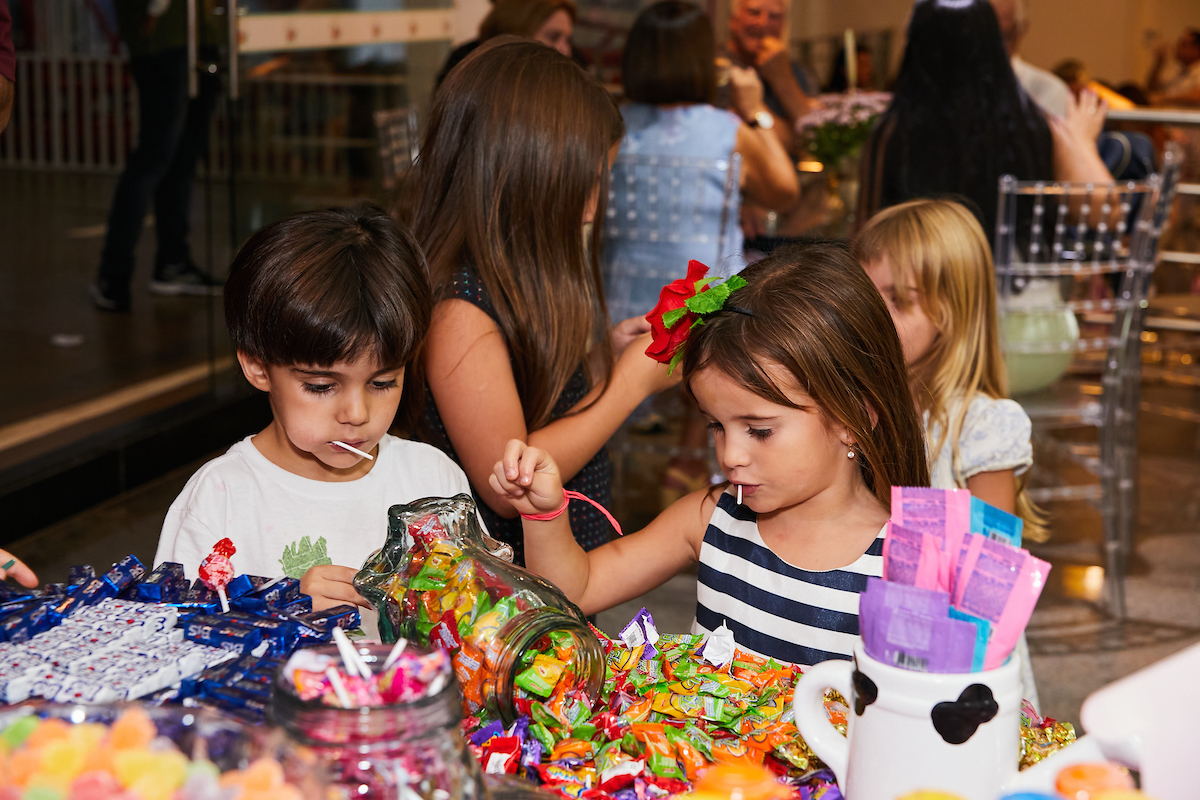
(931, 262)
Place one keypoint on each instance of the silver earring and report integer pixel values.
(850, 454)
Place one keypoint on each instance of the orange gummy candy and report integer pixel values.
(49, 730)
(133, 729)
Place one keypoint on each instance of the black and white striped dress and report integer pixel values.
(773, 608)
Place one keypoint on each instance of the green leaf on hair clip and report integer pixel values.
(669, 318)
(713, 300)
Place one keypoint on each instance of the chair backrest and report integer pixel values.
(673, 200)
(398, 142)
(1083, 249)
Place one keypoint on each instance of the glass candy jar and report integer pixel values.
(402, 751)
(514, 638)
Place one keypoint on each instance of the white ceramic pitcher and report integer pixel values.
(956, 732)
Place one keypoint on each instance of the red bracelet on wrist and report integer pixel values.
(568, 496)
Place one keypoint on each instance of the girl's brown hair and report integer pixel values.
(938, 248)
(812, 310)
(516, 148)
(521, 17)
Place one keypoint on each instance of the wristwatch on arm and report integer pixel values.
(761, 119)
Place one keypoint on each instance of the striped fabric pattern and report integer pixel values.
(773, 608)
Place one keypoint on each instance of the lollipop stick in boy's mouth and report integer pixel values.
(354, 450)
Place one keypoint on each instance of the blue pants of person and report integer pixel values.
(172, 137)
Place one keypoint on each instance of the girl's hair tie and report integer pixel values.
(739, 310)
(568, 496)
(684, 304)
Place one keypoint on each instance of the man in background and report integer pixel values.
(756, 41)
(1046, 88)
(8, 65)
(172, 137)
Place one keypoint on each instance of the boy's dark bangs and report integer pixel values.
(345, 323)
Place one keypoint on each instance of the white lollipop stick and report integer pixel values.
(354, 450)
(397, 651)
(338, 687)
(739, 494)
(224, 600)
(270, 583)
(354, 664)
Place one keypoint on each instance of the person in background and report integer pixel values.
(172, 137)
(756, 42)
(1183, 87)
(514, 164)
(865, 68)
(550, 22)
(1046, 88)
(8, 66)
(670, 78)
(959, 120)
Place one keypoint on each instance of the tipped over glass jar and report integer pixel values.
(514, 638)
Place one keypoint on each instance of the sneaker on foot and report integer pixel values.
(185, 278)
(107, 300)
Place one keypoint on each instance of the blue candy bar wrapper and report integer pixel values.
(983, 635)
(222, 632)
(126, 571)
(89, 594)
(229, 697)
(281, 635)
(301, 605)
(80, 574)
(56, 589)
(23, 625)
(14, 591)
(177, 592)
(243, 585)
(273, 596)
(997, 525)
(343, 616)
(155, 587)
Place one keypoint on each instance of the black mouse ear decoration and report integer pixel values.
(958, 721)
(865, 692)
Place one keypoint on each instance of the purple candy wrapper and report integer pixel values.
(641, 631)
(531, 754)
(486, 733)
(911, 628)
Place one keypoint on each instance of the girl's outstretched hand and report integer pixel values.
(528, 478)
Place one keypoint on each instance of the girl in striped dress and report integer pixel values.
(801, 378)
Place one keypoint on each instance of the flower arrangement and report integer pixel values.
(841, 125)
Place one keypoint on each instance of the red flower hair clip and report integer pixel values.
(682, 306)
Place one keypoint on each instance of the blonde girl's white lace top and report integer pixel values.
(994, 437)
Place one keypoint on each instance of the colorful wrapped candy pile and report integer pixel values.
(672, 705)
(52, 759)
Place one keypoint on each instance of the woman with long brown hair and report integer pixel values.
(511, 170)
(550, 22)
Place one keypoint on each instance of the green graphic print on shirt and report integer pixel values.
(300, 556)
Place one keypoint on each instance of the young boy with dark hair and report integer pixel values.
(326, 310)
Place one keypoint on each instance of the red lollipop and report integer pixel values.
(216, 572)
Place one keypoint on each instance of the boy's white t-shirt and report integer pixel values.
(282, 523)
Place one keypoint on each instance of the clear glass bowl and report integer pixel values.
(404, 750)
(437, 580)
